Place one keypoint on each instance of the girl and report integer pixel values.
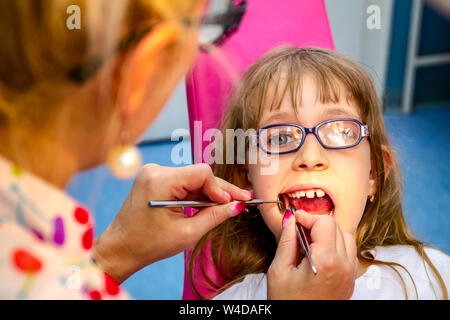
(345, 170)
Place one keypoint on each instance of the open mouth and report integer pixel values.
(311, 200)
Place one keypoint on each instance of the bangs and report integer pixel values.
(282, 73)
(289, 81)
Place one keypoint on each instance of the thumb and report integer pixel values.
(286, 254)
(210, 217)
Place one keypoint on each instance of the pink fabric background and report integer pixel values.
(265, 25)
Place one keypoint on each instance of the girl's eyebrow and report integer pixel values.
(329, 112)
(276, 116)
(339, 112)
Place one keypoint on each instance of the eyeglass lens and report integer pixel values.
(335, 134)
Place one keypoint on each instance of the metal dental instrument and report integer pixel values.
(304, 242)
(178, 204)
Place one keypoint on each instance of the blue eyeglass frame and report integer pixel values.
(364, 132)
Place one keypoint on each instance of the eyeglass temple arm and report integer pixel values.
(232, 17)
(365, 130)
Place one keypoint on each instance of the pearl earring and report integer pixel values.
(371, 197)
(125, 159)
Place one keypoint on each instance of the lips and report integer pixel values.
(312, 200)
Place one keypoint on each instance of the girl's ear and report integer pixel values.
(387, 163)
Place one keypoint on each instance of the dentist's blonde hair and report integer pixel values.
(245, 245)
(38, 51)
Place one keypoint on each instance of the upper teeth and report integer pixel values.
(307, 193)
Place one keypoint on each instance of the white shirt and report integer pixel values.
(378, 282)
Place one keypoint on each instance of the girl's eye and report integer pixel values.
(340, 129)
(349, 133)
(340, 134)
(280, 139)
(345, 133)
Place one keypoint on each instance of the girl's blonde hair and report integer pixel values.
(245, 245)
(38, 52)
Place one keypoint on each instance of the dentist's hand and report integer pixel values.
(140, 235)
(333, 253)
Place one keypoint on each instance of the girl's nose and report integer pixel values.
(311, 156)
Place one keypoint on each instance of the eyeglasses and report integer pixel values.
(342, 133)
(220, 21)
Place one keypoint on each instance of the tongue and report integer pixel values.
(322, 205)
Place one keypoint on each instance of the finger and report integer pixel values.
(322, 228)
(351, 250)
(340, 244)
(181, 183)
(350, 245)
(235, 192)
(287, 251)
(200, 178)
(208, 218)
(306, 219)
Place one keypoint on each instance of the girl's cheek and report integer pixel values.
(273, 220)
(264, 186)
(267, 187)
(353, 198)
(349, 220)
